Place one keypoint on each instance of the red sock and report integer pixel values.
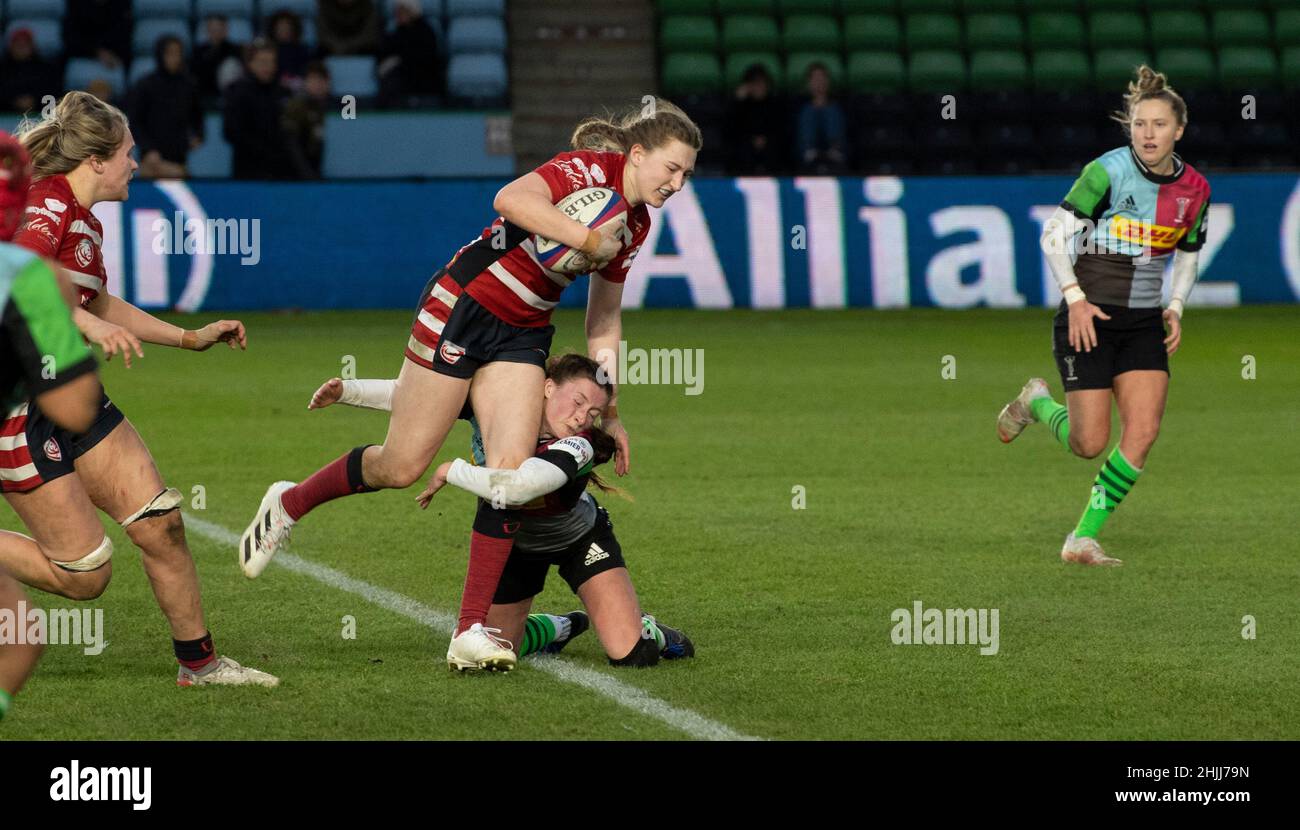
(487, 559)
(340, 477)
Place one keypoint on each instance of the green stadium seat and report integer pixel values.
(1286, 27)
(1243, 67)
(688, 34)
(871, 72)
(750, 33)
(1250, 5)
(1064, 6)
(1117, 30)
(1187, 67)
(1091, 6)
(726, 7)
(994, 30)
(932, 31)
(688, 7)
(1291, 67)
(1112, 69)
(738, 62)
(996, 70)
(797, 64)
(1056, 30)
(808, 6)
(936, 70)
(811, 33)
(872, 31)
(1061, 69)
(869, 6)
(1239, 28)
(692, 73)
(1176, 29)
(1285, 4)
(948, 7)
(990, 6)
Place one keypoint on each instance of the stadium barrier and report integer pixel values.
(722, 243)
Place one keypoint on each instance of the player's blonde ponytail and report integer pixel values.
(653, 124)
(1150, 85)
(81, 127)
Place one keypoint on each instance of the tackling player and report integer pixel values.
(485, 316)
(1133, 207)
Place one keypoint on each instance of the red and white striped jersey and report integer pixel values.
(499, 269)
(57, 227)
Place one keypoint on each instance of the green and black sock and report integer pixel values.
(540, 630)
(1114, 481)
(1055, 415)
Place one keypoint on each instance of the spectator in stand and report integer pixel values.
(410, 59)
(98, 29)
(755, 127)
(348, 27)
(217, 59)
(252, 118)
(822, 140)
(165, 113)
(292, 55)
(26, 77)
(304, 121)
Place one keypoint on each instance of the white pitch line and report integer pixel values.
(692, 723)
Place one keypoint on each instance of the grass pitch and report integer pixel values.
(908, 496)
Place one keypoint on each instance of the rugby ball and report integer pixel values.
(595, 207)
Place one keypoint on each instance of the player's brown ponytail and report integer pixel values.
(81, 127)
(1150, 85)
(651, 125)
(570, 365)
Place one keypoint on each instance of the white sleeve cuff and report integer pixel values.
(369, 393)
(534, 478)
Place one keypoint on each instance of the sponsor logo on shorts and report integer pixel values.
(1069, 367)
(85, 253)
(450, 352)
(595, 553)
(52, 450)
(510, 527)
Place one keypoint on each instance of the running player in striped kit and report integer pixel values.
(485, 316)
(1133, 208)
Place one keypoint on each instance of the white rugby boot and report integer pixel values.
(1017, 415)
(225, 672)
(267, 534)
(1085, 550)
(478, 649)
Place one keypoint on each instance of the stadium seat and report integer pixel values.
(807, 6)
(456, 8)
(990, 30)
(750, 33)
(144, 9)
(1242, 67)
(1117, 30)
(1188, 67)
(762, 7)
(1181, 29)
(1041, 6)
(1286, 27)
(1002, 69)
(238, 30)
(685, 7)
(1111, 5)
(1056, 69)
(737, 62)
(872, 31)
(811, 33)
(990, 6)
(353, 75)
(688, 33)
(872, 72)
(140, 67)
(230, 8)
(935, 70)
(469, 35)
(82, 71)
(477, 76)
(147, 33)
(46, 34)
(947, 7)
(1239, 28)
(692, 73)
(797, 64)
(1056, 30)
(932, 31)
(1112, 69)
(35, 9)
(1290, 66)
(1006, 148)
(869, 6)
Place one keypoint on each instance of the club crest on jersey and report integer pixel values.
(84, 253)
(1183, 202)
(450, 352)
(52, 450)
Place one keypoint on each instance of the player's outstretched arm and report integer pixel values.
(604, 332)
(504, 488)
(366, 393)
(150, 329)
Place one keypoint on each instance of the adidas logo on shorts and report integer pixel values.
(595, 553)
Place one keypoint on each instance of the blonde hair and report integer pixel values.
(81, 127)
(652, 126)
(1149, 86)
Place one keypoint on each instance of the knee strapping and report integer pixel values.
(165, 502)
(91, 561)
(644, 655)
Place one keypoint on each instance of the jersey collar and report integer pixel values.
(1151, 176)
